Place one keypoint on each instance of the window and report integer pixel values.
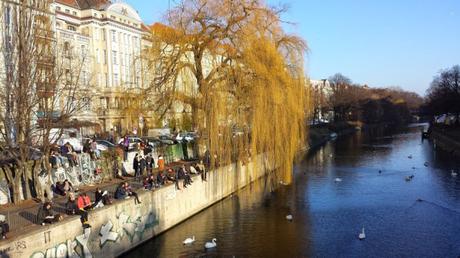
(115, 79)
(74, 13)
(58, 8)
(84, 77)
(114, 36)
(105, 56)
(72, 28)
(58, 24)
(86, 104)
(103, 34)
(106, 80)
(67, 10)
(121, 59)
(83, 51)
(66, 48)
(114, 56)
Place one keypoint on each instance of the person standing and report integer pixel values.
(142, 165)
(161, 163)
(126, 147)
(136, 165)
(150, 163)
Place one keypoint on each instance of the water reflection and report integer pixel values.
(328, 215)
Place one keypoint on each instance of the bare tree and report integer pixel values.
(39, 88)
(443, 96)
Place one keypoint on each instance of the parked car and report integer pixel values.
(104, 145)
(133, 140)
(165, 139)
(152, 141)
(187, 136)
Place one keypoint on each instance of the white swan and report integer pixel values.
(362, 235)
(189, 240)
(210, 244)
(289, 217)
(337, 179)
(453, 173)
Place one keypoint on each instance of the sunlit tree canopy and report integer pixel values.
(238, 72)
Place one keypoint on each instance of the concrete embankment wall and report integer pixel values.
(123, 225)
(445, 142)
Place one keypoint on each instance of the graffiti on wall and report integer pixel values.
(68, 248)
(131, 227)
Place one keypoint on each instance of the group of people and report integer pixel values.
(125, 191)
(90, 147)
(143, 164)
(59, 156)
(74, 206)
(181, 174)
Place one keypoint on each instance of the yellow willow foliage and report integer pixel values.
(245, 85)
(278, 103)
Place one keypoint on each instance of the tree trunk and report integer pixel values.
(17, 196)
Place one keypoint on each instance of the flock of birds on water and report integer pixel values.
(289, 217)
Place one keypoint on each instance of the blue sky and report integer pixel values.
(380, 43)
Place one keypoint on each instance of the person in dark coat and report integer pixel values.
(4, 226)
(150, 163)
(130, 192)
(142, 165)
(136, 165)
(71, 205)
(45, 215)
(102, 197)
(120, 193)
(72, 209)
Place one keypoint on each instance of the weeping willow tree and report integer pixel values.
(239, 74)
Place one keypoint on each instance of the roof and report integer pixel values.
(85, 4)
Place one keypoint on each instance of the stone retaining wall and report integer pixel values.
(123, 225)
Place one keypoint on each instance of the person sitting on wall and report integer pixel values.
(202, 170)
(4, 226)
(72, 209)
(193, 170)
(130, 192)
(84, 202)
(71, 206)
(59, 188)
(147, 183)
(54, 159)
(161, 178)
(120, 193)
(102, 198)
(67, 186)
(46, 216)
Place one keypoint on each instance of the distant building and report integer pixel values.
(321, 93)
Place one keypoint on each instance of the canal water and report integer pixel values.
(417, 218)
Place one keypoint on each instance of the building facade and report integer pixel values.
(110, 36)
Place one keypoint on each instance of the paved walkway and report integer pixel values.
(23, 217)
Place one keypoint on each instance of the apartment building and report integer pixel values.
(110, 37)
